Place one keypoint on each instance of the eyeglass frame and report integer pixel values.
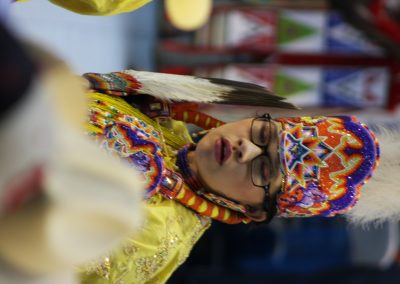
(268, 203)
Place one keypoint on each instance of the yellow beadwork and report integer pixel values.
(100, 7)
(203, 207)
(214, 212)
(191, 201)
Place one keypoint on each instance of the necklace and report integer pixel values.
(188, 175)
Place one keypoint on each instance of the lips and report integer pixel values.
(223, 150)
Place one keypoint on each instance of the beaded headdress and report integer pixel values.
(325, 161)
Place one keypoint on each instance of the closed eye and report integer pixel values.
(263, 134)
(265, 170)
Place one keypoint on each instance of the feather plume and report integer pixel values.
(206, 90)
(380, 197)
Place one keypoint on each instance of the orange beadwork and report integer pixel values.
(187, 112)
(325, 161)
(193, 201)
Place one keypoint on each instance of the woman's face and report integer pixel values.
(223, 161)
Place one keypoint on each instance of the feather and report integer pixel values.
(206, 90)
(380, 197)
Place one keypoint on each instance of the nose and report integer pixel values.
(246, 150)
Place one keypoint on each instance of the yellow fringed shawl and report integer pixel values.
(100, 7)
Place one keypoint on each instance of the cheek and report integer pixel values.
(204, 145)
(225, 180)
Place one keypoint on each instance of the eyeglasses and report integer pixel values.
(260, 135)
(261, 132)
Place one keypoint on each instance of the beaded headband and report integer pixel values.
(325, 161)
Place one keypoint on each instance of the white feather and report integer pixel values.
(380, 197)
(178, 87)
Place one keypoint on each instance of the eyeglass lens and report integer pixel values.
(261, 132)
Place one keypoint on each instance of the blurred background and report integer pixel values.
(328, 57)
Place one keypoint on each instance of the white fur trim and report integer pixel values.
(380, 197)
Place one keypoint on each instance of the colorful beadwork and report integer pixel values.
(325, 161)
(116, 83)
(137, 143)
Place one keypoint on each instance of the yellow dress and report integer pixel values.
(100, 7)
(166, 237)
(151, 256)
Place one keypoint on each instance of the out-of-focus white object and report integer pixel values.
(380, 197)
(188, 14)
(63, 201)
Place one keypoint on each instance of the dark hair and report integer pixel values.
(270, 208)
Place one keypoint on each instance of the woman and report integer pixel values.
(245, 171)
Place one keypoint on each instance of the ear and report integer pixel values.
(256, 215)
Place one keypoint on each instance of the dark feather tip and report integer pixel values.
(235, 84)
(247, 97)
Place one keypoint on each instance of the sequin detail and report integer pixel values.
(147, 266)
(137, 262)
